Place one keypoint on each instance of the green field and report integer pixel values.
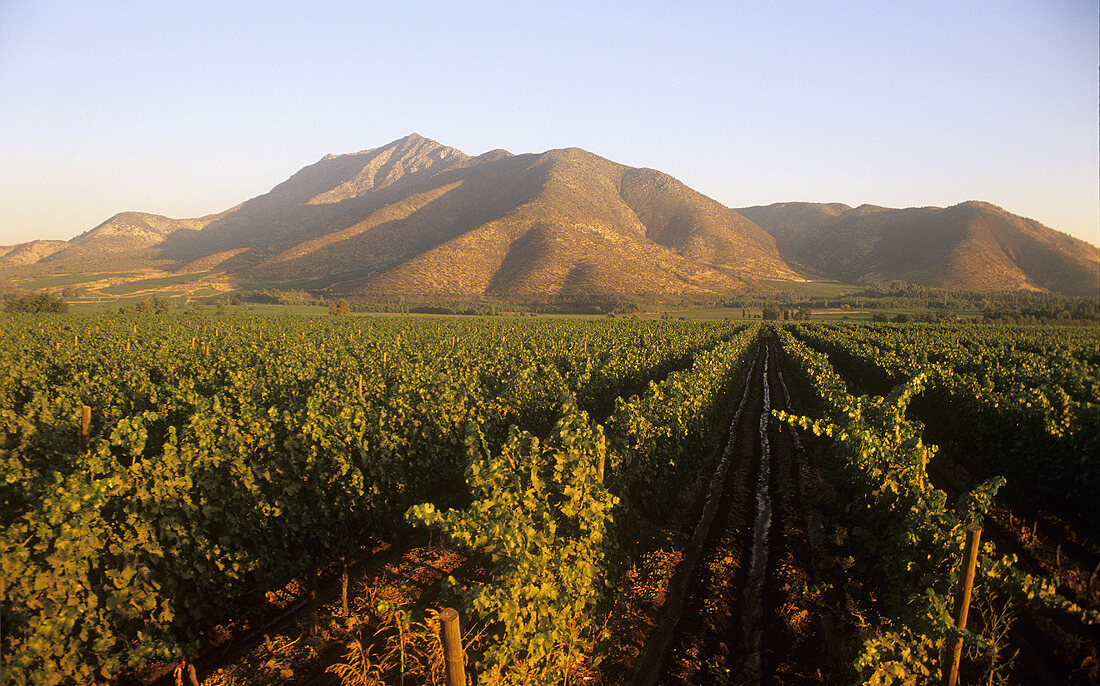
(814, 289)
(151, 284)
(70, 279)
(311, 284)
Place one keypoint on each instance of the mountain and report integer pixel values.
(973, 245)
(28, 253)
(125, 240)
(417, 217)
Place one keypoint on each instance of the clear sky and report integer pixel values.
(188, 108)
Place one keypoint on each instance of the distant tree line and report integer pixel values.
(35, 302)
(596, 304)
(604, 304)
(775, 313)
(275, 296)
(932, 304)
(469, 309)
(1083, 314)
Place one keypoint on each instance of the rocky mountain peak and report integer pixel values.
(377, 168)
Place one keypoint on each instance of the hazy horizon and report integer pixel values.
(189, 110)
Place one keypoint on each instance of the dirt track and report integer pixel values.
(737, 611)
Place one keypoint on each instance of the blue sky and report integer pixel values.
(189, 108)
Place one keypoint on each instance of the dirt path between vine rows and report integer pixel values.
(737, 611)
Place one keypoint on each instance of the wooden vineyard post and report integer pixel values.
(454, 659)
(344, 587)
(360, 385)
(311, 589)
(185, 668)
(973, 536)
(600, 467)
(85, 427)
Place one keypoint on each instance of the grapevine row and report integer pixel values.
(1023, 401)
(228, 456)
(552, 529)
(897, 541)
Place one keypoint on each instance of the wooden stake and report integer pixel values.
(85, 427)
(312, 581)
(188, 668)
(973, 536)
(344, 587)
(452, 647)
(600, 467)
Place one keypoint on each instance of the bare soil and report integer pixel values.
(743, 610)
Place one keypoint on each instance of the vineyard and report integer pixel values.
(1004, 395)
(604, 501)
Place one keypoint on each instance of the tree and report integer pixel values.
(340, 309)
(35, 302)
(771, 312)
(158, 304)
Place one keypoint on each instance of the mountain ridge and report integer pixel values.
(973, 245)
(416, 217)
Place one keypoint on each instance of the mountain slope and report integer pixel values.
(417, 217)
(573, 221)
(28, 253)
(973, 245)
